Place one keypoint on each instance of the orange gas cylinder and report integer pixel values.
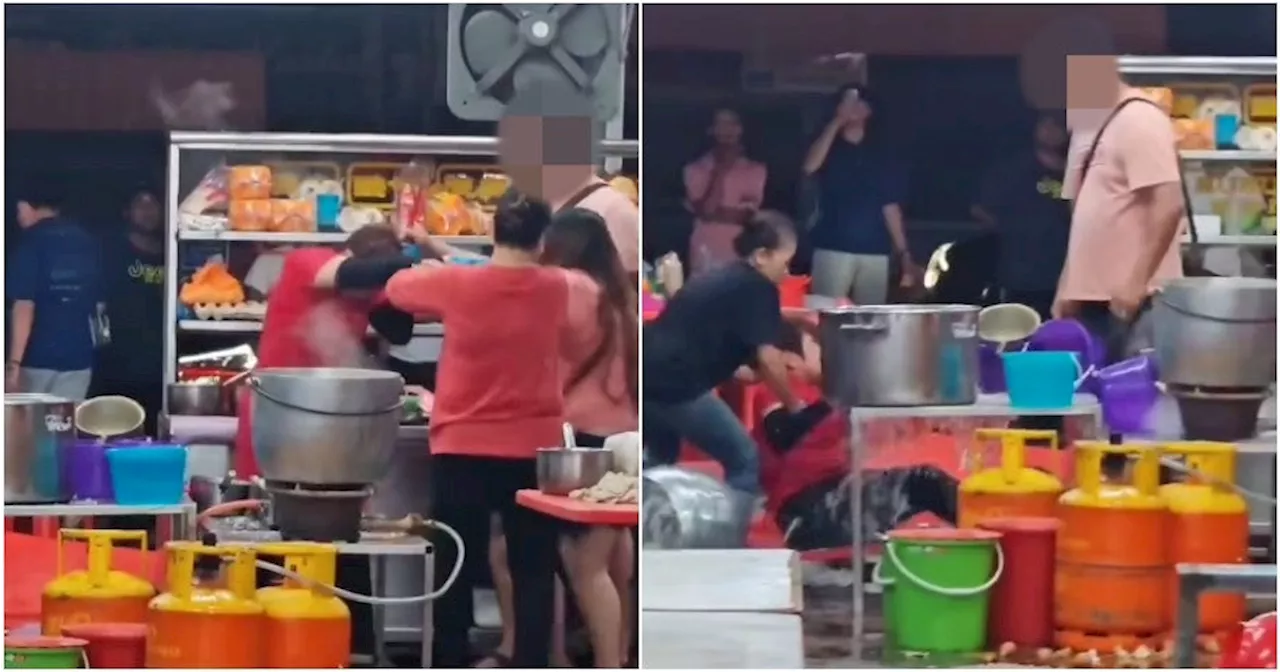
(307, 627)
(1013, 489)
(1209, 524)
(1112, 581)
(210, 622)
(97, 594)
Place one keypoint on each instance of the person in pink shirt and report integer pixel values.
(1125, 181)
(722, 189)
(601, 399)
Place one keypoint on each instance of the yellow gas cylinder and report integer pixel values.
(1209, 524)
(1011, 489)
(1112, 580)
(98, 594)
(307, 626)
(207, 621)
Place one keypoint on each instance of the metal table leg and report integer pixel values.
(858, 451)
(428, 607)
(378, 567)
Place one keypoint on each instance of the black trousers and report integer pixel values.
(466, 491)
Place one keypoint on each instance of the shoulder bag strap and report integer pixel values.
(1093, 149)
(581, 196)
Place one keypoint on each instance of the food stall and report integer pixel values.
(232, 200)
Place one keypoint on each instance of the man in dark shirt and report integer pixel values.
(1021, 201)
(132, 365)
(860, 230)
(53, 284)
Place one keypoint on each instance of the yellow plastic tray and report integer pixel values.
(373, 183)
(1260, 104)
(1187, 96)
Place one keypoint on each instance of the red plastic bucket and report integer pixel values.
(794, 290)
(1022, 600)
(112, 645)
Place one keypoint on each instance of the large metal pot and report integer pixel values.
(39, 429)
(325, 426)
(907, 355)
(195, 398)
(1216, 332)
(687, 509)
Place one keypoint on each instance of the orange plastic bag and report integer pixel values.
(30, 563)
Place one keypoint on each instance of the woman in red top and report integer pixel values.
(319, 312)
(499, 397)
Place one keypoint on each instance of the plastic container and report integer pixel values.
(793, 291)
(328, 207)
(43, 653)
(120, 646)
(109, 416)
(1128, 394)
(153, 475)
(990, 370)
(1042, 380)
(1067, 335)
(1022, 600)
(1007, 325)
(941, 580)
(88, 473)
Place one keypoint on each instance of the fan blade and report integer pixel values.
(486, 37)
(570, 66)
(502, 67)
(517, 12)
(586, 32)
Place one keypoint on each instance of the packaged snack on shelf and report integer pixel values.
(250, 215)
(1260, 105)
(373, 184)
(1242, 197)
(412, 185)
(1162, 96)
(447, 214)
(209, 195)
(1204, 101)
(355, 217)
(1194, 133)
(287, 177)
(626, 186)
(293, 215)
(213, 283)
(249, 182)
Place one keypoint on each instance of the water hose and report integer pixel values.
(1179, 467)
(369, 599)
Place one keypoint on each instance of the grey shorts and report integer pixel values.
(861, 278)
(72, 385)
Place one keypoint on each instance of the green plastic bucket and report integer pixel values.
(43, 653)
(937, 588)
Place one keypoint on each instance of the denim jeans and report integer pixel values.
(708, 423)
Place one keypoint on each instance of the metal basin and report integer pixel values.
(563, 470)
(1216, 332)
(325, 426)
(192, 398)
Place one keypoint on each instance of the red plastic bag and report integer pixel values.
(1252, 646)
(30, 563)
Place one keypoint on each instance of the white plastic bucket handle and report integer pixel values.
(941, 590)
(1082, 374)
(877, 574)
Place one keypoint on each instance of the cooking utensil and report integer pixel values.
(194, 398)
(38, 431)
(326, 425)
(686, 509)
(563, 470)
(110, 415)
(902, 355)
(1216, 332)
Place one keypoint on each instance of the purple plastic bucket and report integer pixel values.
(1128, 394)
(1067, 335)
(88, 475)
(990, 369)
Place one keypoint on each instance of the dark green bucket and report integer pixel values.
(43, 653)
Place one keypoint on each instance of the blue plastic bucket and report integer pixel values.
(148, 475)
(1042, 380)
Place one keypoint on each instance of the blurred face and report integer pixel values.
(775, 264)
(144, 213)
(549, 158)
(1092, 82)
(853, 107)
(27, 215)
(726, 128)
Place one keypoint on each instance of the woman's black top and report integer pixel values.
(708, 329)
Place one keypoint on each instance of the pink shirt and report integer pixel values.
(742, 185)
(1109, 225)
(623, 219)
(600, 403)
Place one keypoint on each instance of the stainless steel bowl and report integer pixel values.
(563, 470)
(195, 398)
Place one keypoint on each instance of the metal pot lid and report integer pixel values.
(1235, 300)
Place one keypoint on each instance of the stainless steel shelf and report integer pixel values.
(90, 509)
(254, 326)
(363, 143)
(1241, 155)
(319, 238)
(1234, 241)
(987, 405)
(1199, 65)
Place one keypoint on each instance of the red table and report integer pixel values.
(575, 511)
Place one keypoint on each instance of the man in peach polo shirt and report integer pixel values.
(1128, 203)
